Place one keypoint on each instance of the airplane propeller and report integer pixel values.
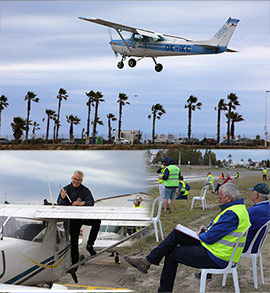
(110, 34)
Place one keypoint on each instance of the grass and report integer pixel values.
(185, 280)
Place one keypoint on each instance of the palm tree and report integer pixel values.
(73, 120)
(30, 96)
(157, 112)
(231, 105)
(89, 103)
(220, 107)
(122, 102)
(3, 105)
(62, 95)
(110, 117)
(235, 117)
(35, 128)
(192, 105)
(18, 125)
(50, 115)
(98, 98)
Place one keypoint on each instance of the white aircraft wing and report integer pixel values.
(121, 27)
(102, 213)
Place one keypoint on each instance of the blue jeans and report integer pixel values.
(177, 248)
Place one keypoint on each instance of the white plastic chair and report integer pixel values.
(201, 197)
(254, 256)
(156, 219)
(231, 268)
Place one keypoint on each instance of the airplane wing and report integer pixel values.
(121, 27)
(101, 213)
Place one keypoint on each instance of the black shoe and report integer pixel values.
(208, 276)
(91, 249)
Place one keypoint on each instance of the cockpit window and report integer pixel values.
(25, 229)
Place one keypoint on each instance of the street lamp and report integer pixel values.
(265, 125)
(133, 116)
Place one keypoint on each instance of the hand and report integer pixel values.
(78, 203)
(201, 230)
(63, 193)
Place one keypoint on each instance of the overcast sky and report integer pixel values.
(44, 47)
(24, 174)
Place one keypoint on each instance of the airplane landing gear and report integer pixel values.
(158, 67)
(120, 64)
(132, 62)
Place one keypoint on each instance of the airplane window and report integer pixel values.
(112, 229)
(26, 229)
(137, 37)
(62, 234)
(2, 220)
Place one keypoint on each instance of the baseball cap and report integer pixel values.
(261, 188)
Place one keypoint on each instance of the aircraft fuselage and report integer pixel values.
(169, 47)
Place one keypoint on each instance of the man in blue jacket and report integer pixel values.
(213, 249)
(259, 214)
(76, 194)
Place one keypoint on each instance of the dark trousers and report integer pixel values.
(74, 231)
(217, 187)
(177, 248)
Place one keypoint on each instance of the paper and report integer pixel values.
(187, 231)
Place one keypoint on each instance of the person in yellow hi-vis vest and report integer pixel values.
(171, 180)
(264, 174)
(183, 189)
(211, 248)
(160, 172)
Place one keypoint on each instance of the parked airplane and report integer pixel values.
(34, 240)
(145, 43)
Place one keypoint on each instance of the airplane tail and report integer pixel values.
(224, 34)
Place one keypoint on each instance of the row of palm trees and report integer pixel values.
(193, 104)
(93, 101)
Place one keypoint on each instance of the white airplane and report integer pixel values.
(34, 239)
(144, 43)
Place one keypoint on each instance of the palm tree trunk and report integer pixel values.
(47, 131)
(232, 130)
(228, 121)
(71, 131)
(109, 130)
(154, 126)
(58, 118)
(27, 118)
(218, 127)
(120, 120)
(95, 120)
(189, 120)
(88, 119)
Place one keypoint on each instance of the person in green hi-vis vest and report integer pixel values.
(171, 178)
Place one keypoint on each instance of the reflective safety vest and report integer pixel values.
(211, 180)
(160, 176)
(237, 176)
(264, 172)
(223, 248)
(183, 190)
(173, 178)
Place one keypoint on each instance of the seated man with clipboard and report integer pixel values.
(208, 249)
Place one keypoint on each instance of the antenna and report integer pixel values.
(50, 191)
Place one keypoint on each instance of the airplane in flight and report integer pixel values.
(35, 245)
(144, 43)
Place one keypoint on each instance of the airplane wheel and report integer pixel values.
(132, 62)
(158, 67)
(120, 64)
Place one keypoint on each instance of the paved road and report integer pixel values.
(193, 176)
